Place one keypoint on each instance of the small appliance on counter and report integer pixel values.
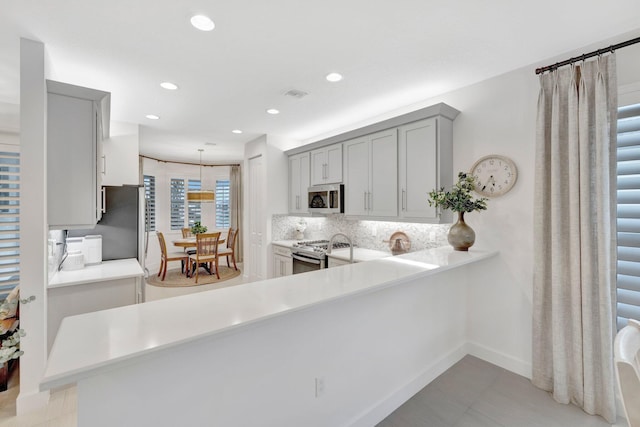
(73, 261)
(92, 249)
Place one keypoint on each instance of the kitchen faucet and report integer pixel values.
(348, 240)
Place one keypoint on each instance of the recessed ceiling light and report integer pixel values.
(210, 143)
(334, 77)
(238, 131)
(203, 23)
(152, 117)
(169, 85)
(273, 111)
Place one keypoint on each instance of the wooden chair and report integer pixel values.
(165, 257)
(206, 252)
(186, 233)
(230, 250)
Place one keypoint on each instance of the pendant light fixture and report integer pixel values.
(201, 196)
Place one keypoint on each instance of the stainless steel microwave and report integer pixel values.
(326, 199)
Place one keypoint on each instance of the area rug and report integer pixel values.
(175, 279)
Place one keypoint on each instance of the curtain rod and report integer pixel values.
(584, 56)
(187, 163)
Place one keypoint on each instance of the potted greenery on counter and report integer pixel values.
(460, 200)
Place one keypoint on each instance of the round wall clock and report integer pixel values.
(495, 175)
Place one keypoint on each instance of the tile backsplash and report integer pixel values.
(365, 234)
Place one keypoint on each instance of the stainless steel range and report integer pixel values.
(311, 255)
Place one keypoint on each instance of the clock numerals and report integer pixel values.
(494, 175)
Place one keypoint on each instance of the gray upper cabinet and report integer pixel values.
(298, 183)
(326, 165)
(371, 171)
(391, 166)
(424, 164)
(76, 125)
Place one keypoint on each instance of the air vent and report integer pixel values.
(296, 93)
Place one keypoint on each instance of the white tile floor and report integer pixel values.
(476, 393)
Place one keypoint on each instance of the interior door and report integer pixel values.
(255, 263)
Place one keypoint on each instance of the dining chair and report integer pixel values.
(206, 253)
(230, 250)
(186, 233)
(165, 257)
(627, 362)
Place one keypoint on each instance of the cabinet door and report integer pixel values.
(294, 184)
(318, 166)
(119, 160)
(356, 186)
(418, 168)
(282, 265)
(71, 166)
(298, 183)
(333, 168)
(383, 174)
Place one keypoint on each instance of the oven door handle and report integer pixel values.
(305, 259)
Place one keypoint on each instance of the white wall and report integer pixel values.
(33, 211)
(498, 116)
(272, 197)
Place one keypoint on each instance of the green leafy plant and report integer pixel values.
(11, 346)
(459, 198)
(198, 228)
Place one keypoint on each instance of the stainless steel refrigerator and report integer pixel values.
(122, 225)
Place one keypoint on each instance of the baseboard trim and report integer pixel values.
(386, 406)
(497, 358)
(30, 402)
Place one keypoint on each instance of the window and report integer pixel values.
(177, 204)
(9, 220)
(150, 196)
(222, 204)
(194, 209)
(628, 221)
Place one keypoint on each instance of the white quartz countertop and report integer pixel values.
(96, 342)
(285, 243)
(107, 270)
(359, 254)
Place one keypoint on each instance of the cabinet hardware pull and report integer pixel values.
(404, 206)
(104, 165)
(104, 200)
(370, 203)
(365, 200)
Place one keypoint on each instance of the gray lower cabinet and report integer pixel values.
(74, 132)
(282, 261)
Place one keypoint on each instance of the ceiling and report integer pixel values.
(392, 54)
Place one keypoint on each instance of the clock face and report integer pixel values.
(495, 175)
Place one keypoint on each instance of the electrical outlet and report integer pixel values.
(319, 386)
(432, 235)
(374, 231)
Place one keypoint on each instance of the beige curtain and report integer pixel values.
(574, 221)
(235, 199)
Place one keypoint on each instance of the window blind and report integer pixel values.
(194, 209)
(222, 204)
(628, 217)
(177, 204)
(150, 196)
(9, 220)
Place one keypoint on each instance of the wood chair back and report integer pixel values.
(163, 244)
(207, 244)
(186, 233)
(231, 238)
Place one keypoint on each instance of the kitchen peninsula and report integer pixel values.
(340, 346)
